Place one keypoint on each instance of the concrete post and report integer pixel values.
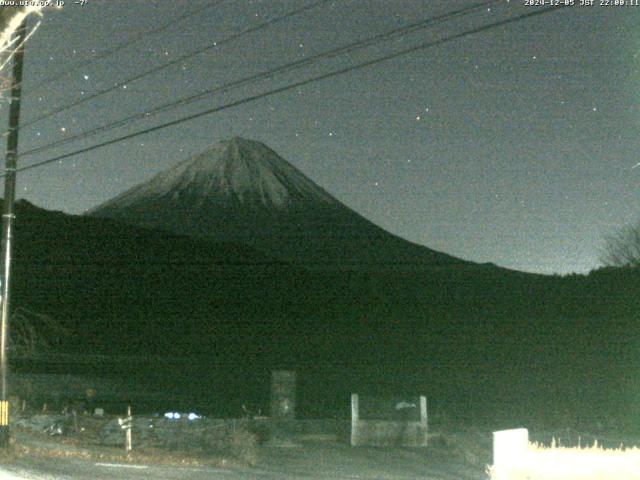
(424, 419)
(509, 449)
(355, 416)
(128, 440)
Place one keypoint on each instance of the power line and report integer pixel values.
(176, 61)
(269, 74)
(297, 84)
(129, 42)
(292, 86)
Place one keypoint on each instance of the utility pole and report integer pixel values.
(7, 223)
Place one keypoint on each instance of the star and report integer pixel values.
(86, 77)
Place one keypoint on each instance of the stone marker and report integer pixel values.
(509, 449)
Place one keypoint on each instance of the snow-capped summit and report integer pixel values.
(240, 190)
(236, 171)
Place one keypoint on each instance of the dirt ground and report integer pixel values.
(441, 461)
(460, 456)
(453, 454)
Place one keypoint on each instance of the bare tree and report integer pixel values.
(622, 248)
(33, 333)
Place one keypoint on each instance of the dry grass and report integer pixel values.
(470, 446)
(243, 446)
(233, 448)
(9, 455)
(146, 456)
(573, 463)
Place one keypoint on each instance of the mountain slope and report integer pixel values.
(242, 191)
(451, 332)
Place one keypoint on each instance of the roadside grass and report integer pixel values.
(573, 463)
(237, 449)
(609, 454)
(142, 456)
(9, 455)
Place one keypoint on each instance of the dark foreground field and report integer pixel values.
(463, 454)
(462, 457)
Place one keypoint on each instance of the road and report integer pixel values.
(310, 462)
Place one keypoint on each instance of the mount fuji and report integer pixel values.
(242, 191)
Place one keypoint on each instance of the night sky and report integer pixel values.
(515, 146)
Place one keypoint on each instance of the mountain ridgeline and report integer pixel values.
(242, 191)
